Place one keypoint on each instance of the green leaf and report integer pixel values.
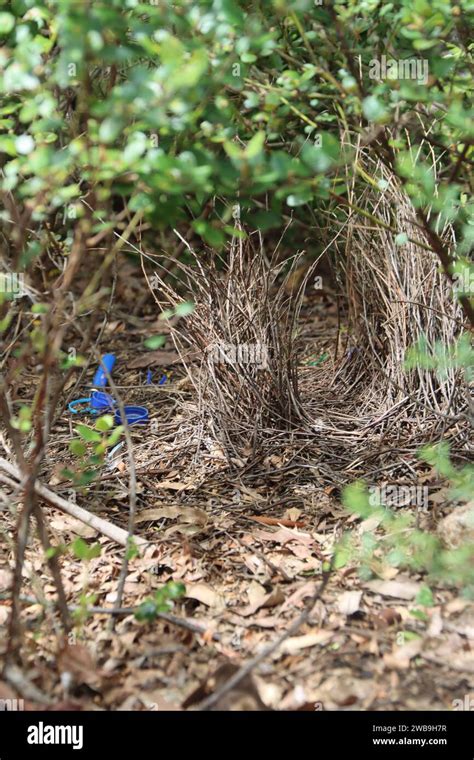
(87, 434)
(115, 436)
(175, 589)
(425, 597)
(40, 308)
(156, 341)
(401, 238)
(184, 309)
(77, 447)
(83, 551)
(104, 423)
(7, 22)
(147, 611)
(374, 110)
(255, 146)
(110, 129)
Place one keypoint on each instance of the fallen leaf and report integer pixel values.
(256, 593)
(244, 696)
(399, 589)
(285, 535)
(184, 514)
(174, 485)
(5, 579)
(204, 594)
(77, 664)
(269, 600)
(278, 521)
(4, 613)
(64, 523)
(399, 658)
(457, 529)
(349, 602)
(386, 617)
(161, 357)
(295, 644)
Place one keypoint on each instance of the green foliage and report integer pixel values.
(22, 422)
(90, 448)
(162, 601)
(172, 104)
(441, 358)
(397, 542)
(83, 551)
(461, 479)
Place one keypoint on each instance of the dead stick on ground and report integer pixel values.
(188, 625)
(113, 532)
(245, 670)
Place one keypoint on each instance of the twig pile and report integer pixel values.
(242, 331)
(253, 400)
(396, 293)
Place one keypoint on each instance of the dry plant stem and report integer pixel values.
(436, 243)
(188, 625)
(246, 669)
(54, 329)
(104, 527)
(132, 488)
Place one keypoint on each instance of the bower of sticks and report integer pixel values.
(279, 388)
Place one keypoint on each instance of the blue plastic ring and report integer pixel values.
(72, 405)
(133, 414)
(101, 401)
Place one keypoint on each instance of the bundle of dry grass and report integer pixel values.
(397, 294)
(242, 331)
(253, 400)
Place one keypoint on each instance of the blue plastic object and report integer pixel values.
(133, 414)
(96, 403)
(79, 402)
(101, 401)
(100, 378)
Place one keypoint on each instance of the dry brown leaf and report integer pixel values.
(463, 624)
(457, 529)
(204, 594)
(4, 613)
(65, 524)
(386, 617)
(256, 593)
(5, 579)
(174, 485)
(399, 658)
(182, 513)
(161, 357)
(293, 513)
(269, 600)
(349, 602)
(295, 599)
(295, 644)
(400, 589)
(76, 661)
(284, 536)
(278, 521)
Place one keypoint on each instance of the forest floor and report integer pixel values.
(250, 552)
